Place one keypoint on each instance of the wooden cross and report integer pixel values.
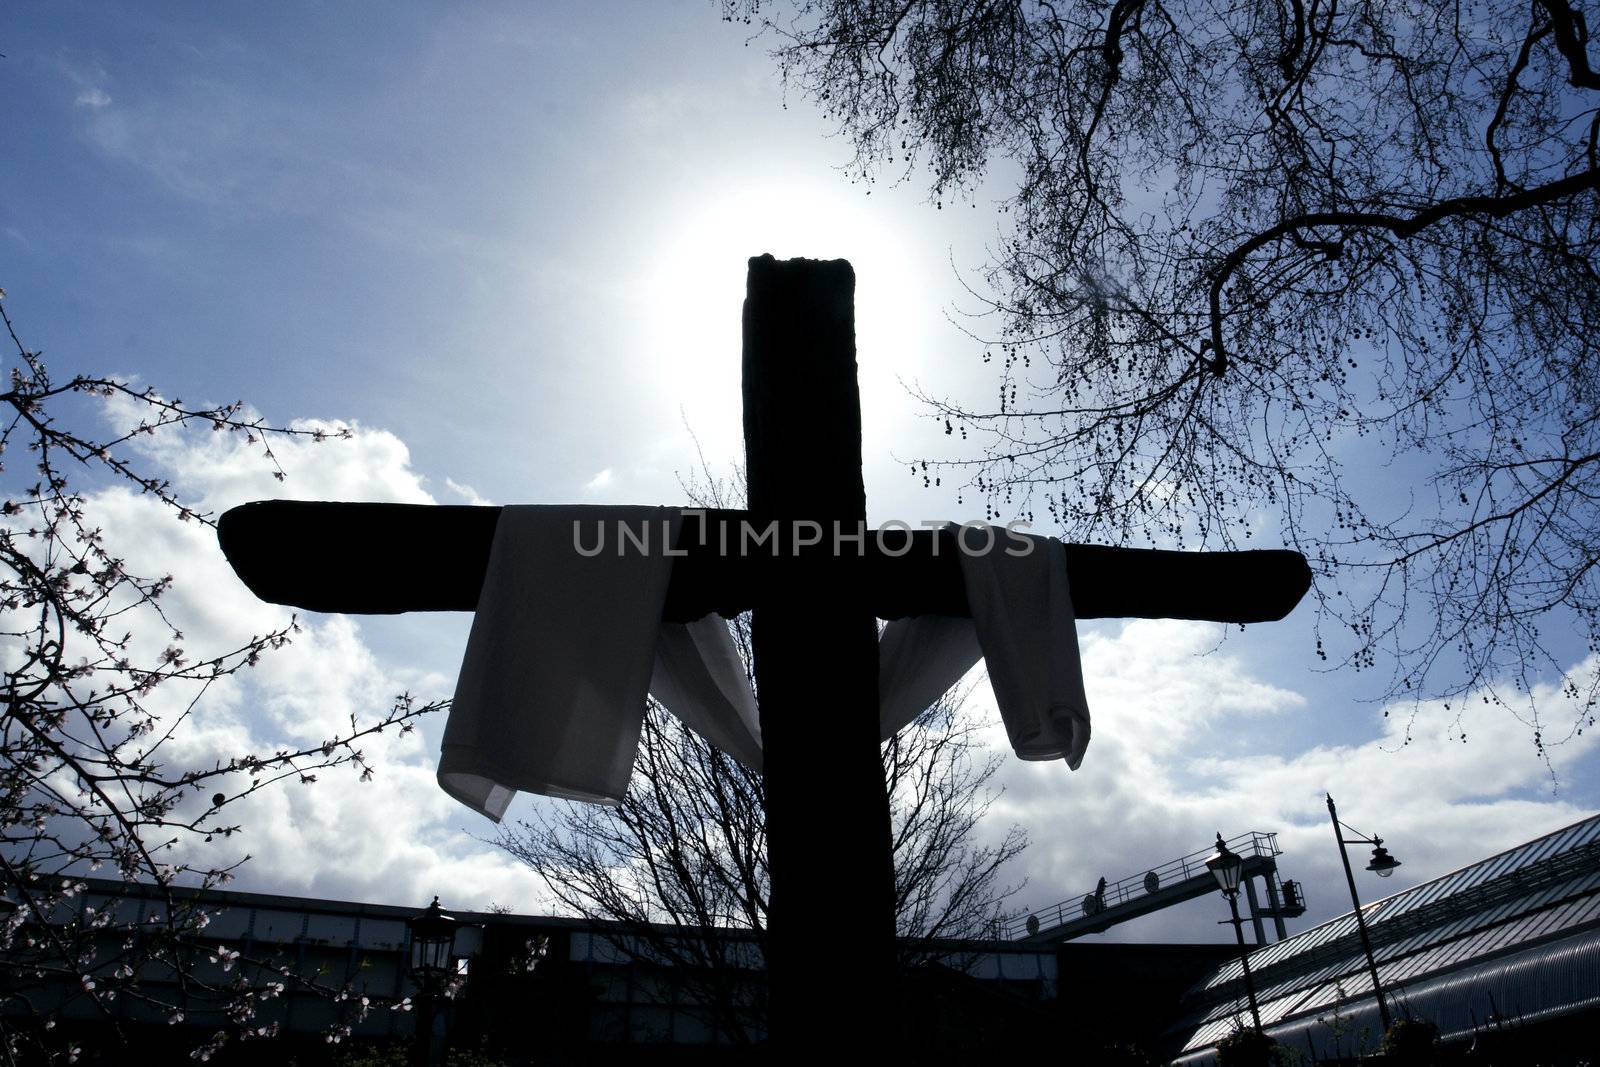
(831, 923)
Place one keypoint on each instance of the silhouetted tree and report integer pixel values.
(1316, 269)
(87, 725)
(685, 853)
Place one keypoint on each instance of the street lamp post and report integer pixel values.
(433, 937)
(1382, 865)
(1226, 866)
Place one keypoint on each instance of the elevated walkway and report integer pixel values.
(1174, 882)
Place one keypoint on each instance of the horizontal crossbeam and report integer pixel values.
(389, 558)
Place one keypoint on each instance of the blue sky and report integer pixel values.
(505, 244)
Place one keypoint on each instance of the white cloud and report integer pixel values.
(206, 141)
(394, 839)
(600, 482)
(1172, 763)
(325, 460)
(467, 493)
(87, 77)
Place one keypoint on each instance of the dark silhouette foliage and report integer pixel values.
(99, 687)
(1302, 270)
(685, 854)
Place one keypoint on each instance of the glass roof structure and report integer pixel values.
(1514, 935)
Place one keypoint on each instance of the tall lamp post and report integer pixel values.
(1226, 866)
(433, 939)
(1383, 866)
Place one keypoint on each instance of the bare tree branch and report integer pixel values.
(1320, 272)
(85, 730)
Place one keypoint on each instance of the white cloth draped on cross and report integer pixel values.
(565, 646)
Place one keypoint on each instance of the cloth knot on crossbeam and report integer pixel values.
(568, 639)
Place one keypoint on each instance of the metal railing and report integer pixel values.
(1135, 886)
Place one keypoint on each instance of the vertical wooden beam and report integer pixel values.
(830, 933)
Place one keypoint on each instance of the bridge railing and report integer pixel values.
(1134, 886)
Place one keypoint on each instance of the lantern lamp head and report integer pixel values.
(1226, 866)
(433, 936)
(1382, 864)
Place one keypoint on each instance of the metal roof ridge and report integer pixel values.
(1287, 962)
(1373, 909)
(1486, 861)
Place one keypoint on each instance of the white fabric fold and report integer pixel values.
(552, 688)
(1023, 627)
(1022, 609)
(919, 659)
(700, 677)
(568, 640)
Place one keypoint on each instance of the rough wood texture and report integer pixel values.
(325, 556)
(829, 847)
(815, 642)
